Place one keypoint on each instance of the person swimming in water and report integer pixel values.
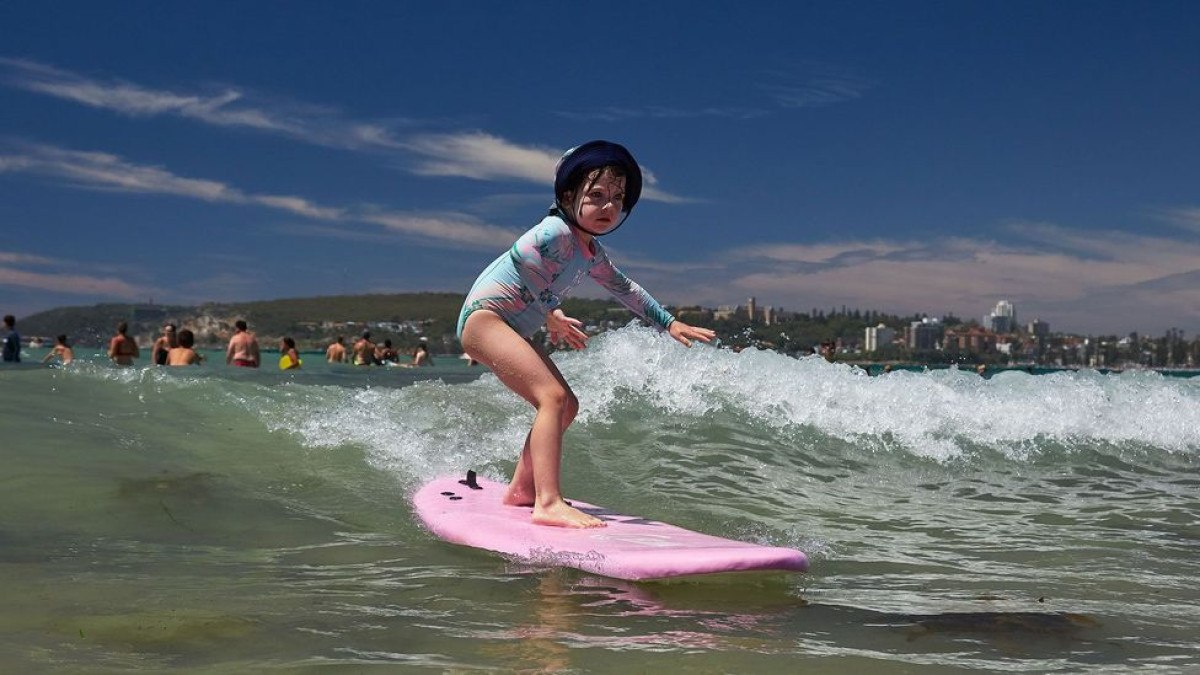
(243, 350)
(61, 351)
(123, 349)
(364, 351)
(336, 352)
(596, 186)
(289, 358)
(183, 354)
(12, 340)
(161, 349)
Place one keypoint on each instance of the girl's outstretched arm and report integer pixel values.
(629, 293)
(685, 333)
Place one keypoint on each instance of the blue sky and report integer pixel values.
(927, 157)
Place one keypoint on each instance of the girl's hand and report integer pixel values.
(682, 332)
(563, 328)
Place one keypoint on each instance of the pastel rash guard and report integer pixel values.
(528, 282)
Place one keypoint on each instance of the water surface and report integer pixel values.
(230, 520)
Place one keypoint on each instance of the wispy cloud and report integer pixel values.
(812, 84)
(1144, 255)
(23, 270)
(481, 156)
(455, 229)
(104, 171)
(1088, 281)
(1185, 217)
(224, 106)
(10, 258)
(802, 85)
(1099, 281)
(469, 154)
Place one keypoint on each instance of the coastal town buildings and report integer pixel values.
(877, 337)
(970, 339)
(925, 335)
(767, 315)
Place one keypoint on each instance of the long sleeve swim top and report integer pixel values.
(529, 281)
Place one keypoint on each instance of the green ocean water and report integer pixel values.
(214, 519)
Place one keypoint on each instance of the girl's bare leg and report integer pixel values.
(534, 377)
(522, 491)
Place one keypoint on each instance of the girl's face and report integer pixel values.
(599, 208)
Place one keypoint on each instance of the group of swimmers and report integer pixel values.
(176, 347)
(364, 352)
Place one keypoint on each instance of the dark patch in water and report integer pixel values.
(194, 486)
(169, 631)
(1011, 624)
(189, 489)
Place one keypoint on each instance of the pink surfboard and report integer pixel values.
(629, 547)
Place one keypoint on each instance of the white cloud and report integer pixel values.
(226, 106)
(63, 276)
(481, 156)
(11, 258)
(299, 206)
(103, 171)
(1186, 217)
(450, 229)
(471, 154)
(1090, 281)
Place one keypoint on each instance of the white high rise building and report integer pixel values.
(1003, 318)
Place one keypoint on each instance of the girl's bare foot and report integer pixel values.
(560, 514)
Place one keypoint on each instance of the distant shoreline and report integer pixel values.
(405, 318)
(214, 356)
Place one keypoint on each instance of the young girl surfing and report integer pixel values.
(596, 185)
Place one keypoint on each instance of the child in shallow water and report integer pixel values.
(62, 351)
(596, 185)
(182, 354)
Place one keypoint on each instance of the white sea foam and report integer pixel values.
(432, 428)
(934, 413)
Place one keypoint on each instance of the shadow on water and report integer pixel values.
(1057, 625)
(195, 486)
(766, 617)
(167, 491)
